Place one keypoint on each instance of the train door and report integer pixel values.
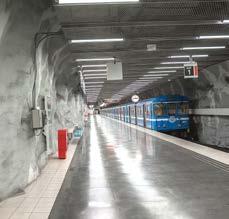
(116, 113)
(144, 115)
(132, 114)
(120, 113)
(123, 113)
(127, 114)
(140, 116)
(160, 117)
(182, 114)
(172, 122)
(148, 115)
(135, 113)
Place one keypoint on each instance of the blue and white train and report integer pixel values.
(163, 113)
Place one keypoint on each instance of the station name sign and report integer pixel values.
(191, 70)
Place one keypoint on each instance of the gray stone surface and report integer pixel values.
(23, 152)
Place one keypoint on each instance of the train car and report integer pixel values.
(163, 113)
(169, 113)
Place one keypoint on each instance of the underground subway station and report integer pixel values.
(114, 109)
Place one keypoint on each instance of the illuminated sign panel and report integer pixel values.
(191, 70)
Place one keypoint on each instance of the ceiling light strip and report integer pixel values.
(92, 78)
(98, 40)
(93, 66)
(94, 75)
(95, 1)
(94, 70)
(95, 59)
(186, 56)
(203, 47)
(213, 37)
(99, 82)
(156, 72)
(170, 67)
(174, 63)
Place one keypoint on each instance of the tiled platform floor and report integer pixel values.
(123, 172)
(40, 196)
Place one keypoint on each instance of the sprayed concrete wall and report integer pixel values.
(23, 152)
(211, 90)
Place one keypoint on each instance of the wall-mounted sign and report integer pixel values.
(191, 70)
(151, 47)
(114, 71)
(135, 98)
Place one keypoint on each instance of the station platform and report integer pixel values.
(123, 172)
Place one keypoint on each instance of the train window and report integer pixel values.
(159, 109)
(183, 108)
(172, 108)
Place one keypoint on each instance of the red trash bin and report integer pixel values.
(62, 143)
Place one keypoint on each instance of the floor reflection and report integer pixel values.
(121, 173)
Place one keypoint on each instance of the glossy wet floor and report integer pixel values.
(121, 173)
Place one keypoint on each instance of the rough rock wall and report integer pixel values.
(211, 90)
(23, 152)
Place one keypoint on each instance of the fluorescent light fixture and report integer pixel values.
(187, 56)
(94, 86)
(224, 21)
(213, 37)
(94, 1)
(94, 75)
(155, 72)
(93, 66)
(99, 82)
(95, 59)
(153, 76)
(182, 56)
(90, 78)
(98, 40)
(204, 47)
(174, 63)
(95, 70)
(199, 56)
(170, 67)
